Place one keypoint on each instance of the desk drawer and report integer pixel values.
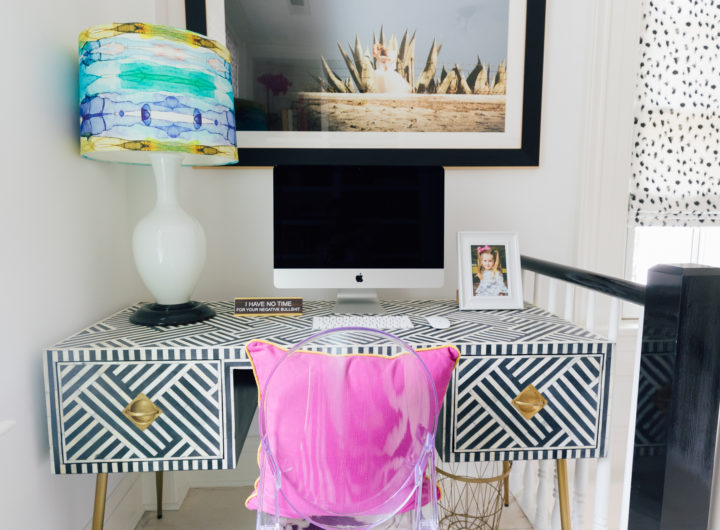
(95, 422)
(481, 420)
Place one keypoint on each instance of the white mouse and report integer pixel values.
(438, 322)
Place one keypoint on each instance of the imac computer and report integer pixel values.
(358, 229)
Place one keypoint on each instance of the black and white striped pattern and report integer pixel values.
(226, 335)
(530, 454)
(140, 466)
(92, 428)
(105, 366)
(479, 421)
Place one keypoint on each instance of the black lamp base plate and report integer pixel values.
(171, 315)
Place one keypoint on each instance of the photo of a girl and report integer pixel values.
(489, 274)
(489, 271)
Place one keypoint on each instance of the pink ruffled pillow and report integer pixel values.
(342, 474)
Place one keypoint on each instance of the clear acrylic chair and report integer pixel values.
(347, 426)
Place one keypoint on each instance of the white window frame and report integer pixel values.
(701, 238)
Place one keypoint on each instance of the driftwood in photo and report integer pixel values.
(368, 70)
(334, 82)
(352, 68)
(428, 74)
(479, 79)
(406, 58)
(500, 84)
(454, 83)
(359, 66)
(364, 66)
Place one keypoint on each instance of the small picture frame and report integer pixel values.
(489, 270)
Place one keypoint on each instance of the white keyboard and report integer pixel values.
(362, 321)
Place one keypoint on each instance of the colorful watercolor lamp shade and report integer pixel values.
(160, 96)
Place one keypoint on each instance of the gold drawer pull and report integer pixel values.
(142, 412)
(529, 402)
(528, 407)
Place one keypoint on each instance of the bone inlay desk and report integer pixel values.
(124, 398)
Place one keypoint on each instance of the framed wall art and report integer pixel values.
(489, 271)
(409, 82)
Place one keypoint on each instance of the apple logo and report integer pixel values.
(359, 278)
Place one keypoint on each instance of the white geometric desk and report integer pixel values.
(198, 379)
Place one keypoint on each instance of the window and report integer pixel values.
(651, 245)
(675, 185)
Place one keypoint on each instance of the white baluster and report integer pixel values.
(544, 491)
(614, 319)
(556, 504)
(516, 476)
(602, 475)
(602, 490)
(569, 302)
(582, 472)
(552, 295)
(590, 311)
(529, 286)
(528, 485)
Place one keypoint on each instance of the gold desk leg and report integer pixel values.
(563, 496)
(158, 492)
(506, 483)
(100, 494)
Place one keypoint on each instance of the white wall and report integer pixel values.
(66, 259)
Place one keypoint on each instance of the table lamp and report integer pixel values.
(160, 96)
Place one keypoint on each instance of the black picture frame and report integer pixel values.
(527, 155)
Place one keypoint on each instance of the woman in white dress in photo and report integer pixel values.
(387, 80)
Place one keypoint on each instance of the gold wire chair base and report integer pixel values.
(471, 499)
(466, 522)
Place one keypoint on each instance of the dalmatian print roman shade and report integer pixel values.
(675, 163)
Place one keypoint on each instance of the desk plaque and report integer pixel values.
(258, 307)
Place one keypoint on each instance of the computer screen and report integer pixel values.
(358, 227)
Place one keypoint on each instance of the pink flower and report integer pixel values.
(277, 83)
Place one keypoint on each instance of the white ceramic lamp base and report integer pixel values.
(169, 250)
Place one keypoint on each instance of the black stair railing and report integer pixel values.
(678, 392)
